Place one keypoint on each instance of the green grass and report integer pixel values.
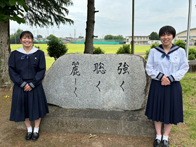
(189, 93)
(79, 48)
(186, 133)
(49, 62)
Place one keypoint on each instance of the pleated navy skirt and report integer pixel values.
(31, 104)
(165, 103)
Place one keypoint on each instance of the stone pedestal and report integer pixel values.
(98, 94)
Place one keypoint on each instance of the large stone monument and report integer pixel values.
(109, 92)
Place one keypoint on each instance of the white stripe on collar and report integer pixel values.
(33, 50)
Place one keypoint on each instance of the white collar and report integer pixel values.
(33, 50)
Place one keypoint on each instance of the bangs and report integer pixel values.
(26, 34)
(167, 30)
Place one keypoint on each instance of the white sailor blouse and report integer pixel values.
(173, 65)
(27, 68)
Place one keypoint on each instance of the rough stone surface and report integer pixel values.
(127, 123)
(104, 82)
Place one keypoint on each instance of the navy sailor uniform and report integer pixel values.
(165, 102)
(27, 68)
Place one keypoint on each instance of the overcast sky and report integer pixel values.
(115, 18)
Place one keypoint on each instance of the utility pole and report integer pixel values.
(74, 34)
(132, 40)
(188, 29)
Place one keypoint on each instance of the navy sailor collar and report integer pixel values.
(172, 49)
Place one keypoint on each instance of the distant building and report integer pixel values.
(43, 39)
(66, 39)
(138, 40)
(154, 41)
(183, 35)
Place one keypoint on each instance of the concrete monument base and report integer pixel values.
(128, 123)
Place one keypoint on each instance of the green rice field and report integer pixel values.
(79, 48)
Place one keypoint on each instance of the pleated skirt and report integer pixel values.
(165, 103)
(31, 104)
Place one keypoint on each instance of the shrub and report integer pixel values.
(154, 45)
(191, 57)
(147, 51)
(180, 43)
(97, 50)
(125, 49)
(56, 48)
(146, 54)
(195, 43)
(192, 51)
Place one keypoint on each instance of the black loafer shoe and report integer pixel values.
(28, 136)
(35, 136)
(165, 143)
(157, 143)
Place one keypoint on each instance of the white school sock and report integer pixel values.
(29, 129)
(36, 130)
(165, 138)
(158, 137)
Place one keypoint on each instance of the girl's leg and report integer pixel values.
(27, 123)
(158, 127)
(29, 129)
(167, 129)
(157, 141)
(37, 123)
(36, 129)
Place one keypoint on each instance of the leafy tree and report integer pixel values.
(13, 10)
(56, 48)
(108, 37)
(50, 37)
(39, 36)
(119, 37)
(111, 37)
(154, 36)
(15, 38)
(33, 12)
(47, 12)
(80, 37)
